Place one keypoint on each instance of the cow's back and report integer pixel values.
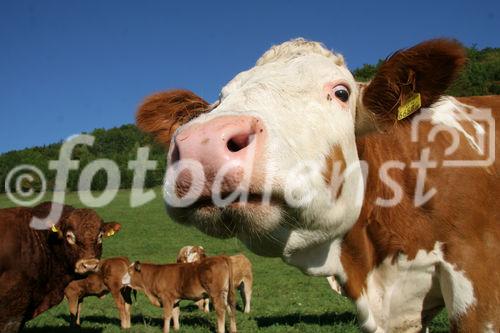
(242, 268)
(112, 270)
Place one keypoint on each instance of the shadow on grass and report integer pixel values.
(59, 329)
(191, 320)
(297, 318)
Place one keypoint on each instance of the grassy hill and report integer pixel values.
(284, 300)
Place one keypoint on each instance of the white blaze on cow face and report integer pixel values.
(293, 93)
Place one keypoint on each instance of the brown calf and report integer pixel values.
(242, 273)
(166, 285)
(108, 279)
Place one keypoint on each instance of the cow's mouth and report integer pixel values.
(252, 213)
(244, 201)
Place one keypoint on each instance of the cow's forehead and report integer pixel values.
(297, 48)
(292, 67)
(85, 221)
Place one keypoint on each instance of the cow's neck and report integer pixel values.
(48, 291)
(384, 232)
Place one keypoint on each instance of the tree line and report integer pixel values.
(481, 76)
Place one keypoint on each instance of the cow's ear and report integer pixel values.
(408, 80)
(111, 228)
(137, 266)
(162, 113)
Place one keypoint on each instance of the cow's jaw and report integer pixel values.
(302, 217)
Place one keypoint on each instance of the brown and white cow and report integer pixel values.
(107, 279)
(37, 265)
(166, 285)
(242, 273)
(298, 160)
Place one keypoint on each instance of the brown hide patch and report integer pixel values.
(162, 113)
(462, 215)
(333, 174)
(427, 68)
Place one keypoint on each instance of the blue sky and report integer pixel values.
(72, 66)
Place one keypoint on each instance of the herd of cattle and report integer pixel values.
(193, 277)
(64, 261)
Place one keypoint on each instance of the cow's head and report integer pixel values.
(133, 278)
(189, 254)
(77, 237)
(264, 162)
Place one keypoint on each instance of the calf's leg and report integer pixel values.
(175, 316)
(127, 297)
(206, 308)
(128, 322)
(78, 312)
(246, 293)
(220, 304)
(74, 309)
(120, 304)
(167, 314)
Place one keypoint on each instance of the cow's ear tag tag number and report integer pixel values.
(412, 104)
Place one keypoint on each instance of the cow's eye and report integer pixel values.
(71, 238)
(99, 238)
(341, 92)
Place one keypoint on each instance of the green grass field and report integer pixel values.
(284, 300)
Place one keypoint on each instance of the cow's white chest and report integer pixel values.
(395, 293)
(401, 293)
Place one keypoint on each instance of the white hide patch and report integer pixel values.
(335, 285)
(365, 315)
(395, 293)
(126, 279)
(458, 291)
(192, 257)
(488, 328)
(322, 259)
(450, 112)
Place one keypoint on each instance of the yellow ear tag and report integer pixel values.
(110, 233)
(412, 104)
(54, 228)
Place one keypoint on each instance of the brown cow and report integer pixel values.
(36, 265)
(390, 186)
(189, 254)
(166, 285)
(242, 273)
(107, 279)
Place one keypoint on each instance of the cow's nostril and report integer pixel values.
(239, 142)
(175, 156)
